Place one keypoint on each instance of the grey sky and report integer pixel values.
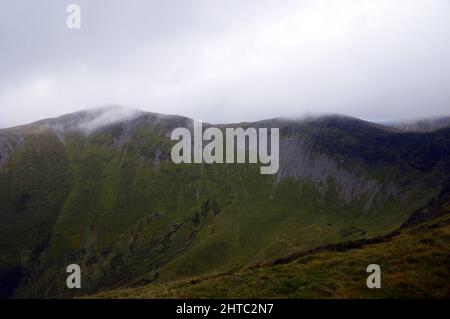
(225, 61)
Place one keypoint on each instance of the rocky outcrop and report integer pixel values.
(7, 146)
(299, 161)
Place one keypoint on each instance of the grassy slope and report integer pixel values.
(414, 264)
(129, 222)
(32, 191)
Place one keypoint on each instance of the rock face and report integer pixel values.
(4, 151)
(8, 145)
(299, 161)
(99, 189)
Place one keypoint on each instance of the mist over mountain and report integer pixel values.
(424, 125)
(98, 188)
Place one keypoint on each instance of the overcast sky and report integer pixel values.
(228, 60)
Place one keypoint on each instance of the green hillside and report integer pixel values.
(111, 200)
(414, 264)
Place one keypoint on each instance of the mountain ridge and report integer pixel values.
(124, 113)
(111, 200)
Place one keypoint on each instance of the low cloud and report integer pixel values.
(107, 115)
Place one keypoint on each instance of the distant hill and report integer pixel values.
(424, 125)
(98, 188)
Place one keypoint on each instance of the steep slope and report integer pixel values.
(35, 179)
(99, 189)
(413, 265)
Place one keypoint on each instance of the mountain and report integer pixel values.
(423, 125)
(98, 188)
